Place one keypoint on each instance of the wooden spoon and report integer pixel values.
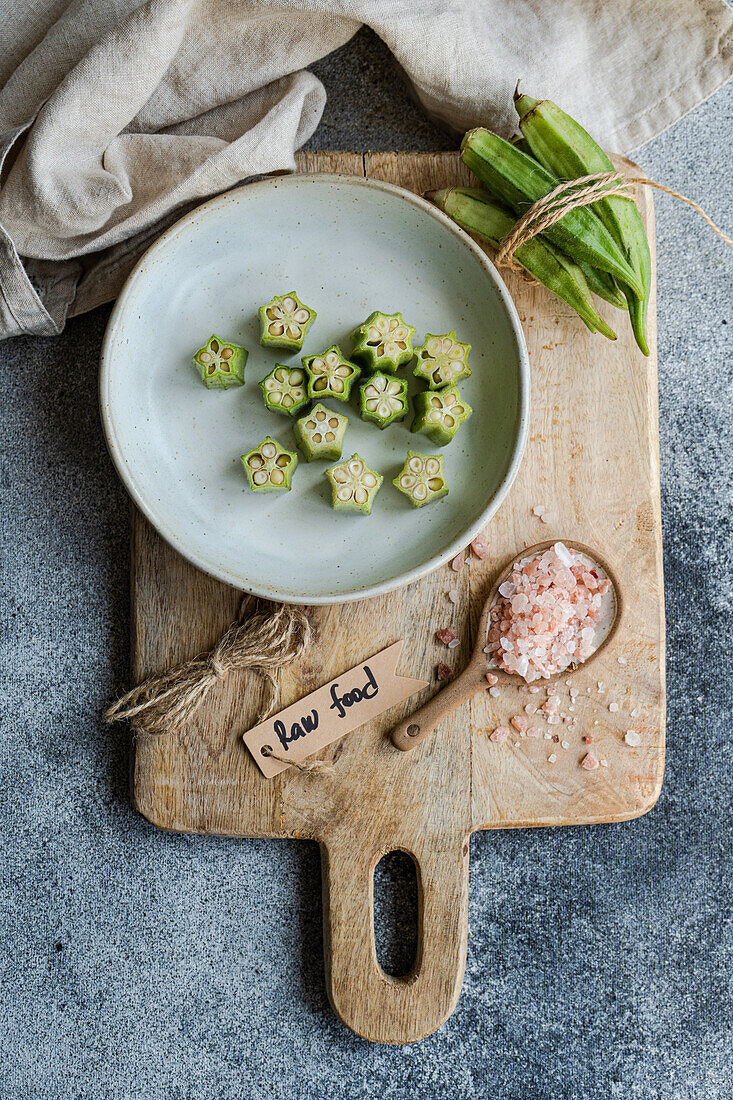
(416, 727)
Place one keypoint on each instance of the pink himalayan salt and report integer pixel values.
(492, 678)
(545, 615)
(501, 733)
(534, 731)
(589, 762)
(479, 548)
(457, 563)
(446, 635)
(519, 722)
(444, 672)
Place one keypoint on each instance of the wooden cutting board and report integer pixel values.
(592, 458)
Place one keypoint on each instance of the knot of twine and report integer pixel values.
(262, 639)
(571, 195)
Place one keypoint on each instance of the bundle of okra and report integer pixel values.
(601, 248)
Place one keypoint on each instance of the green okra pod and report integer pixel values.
(422, 479)
(383, 342)
(320, 433)
(269, 467)
(354, 485)
(475, 211)
(383, 399)
(220, 364)
(284, 322)
(439, 414)
(567, 150)
(285, 389)
(519, 180)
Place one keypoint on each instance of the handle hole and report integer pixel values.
(396, 913)
(413, 730)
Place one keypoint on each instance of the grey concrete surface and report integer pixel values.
(137, 964)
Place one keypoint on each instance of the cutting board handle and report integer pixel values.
(375, 1005)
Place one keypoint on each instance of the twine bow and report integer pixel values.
(263, 638)
(573, 194)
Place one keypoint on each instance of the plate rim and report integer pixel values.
(272, 593)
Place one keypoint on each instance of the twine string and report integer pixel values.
(574, 194)
(263, 639)
(311, 766)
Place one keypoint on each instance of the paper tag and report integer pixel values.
(332, 711)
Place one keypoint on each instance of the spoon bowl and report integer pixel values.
(416, 727)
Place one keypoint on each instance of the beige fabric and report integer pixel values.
(116, 115)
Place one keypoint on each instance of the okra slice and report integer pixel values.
(442, 360)
(422, 479)
(439, 414)
(354, 485)
(383, 399)
(220, 364)
(284, 322)
(329, 374)
(285, 389)
(269, 466)
(320, 433)
(383, 342)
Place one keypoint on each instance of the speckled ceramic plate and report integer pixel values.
(348, 246)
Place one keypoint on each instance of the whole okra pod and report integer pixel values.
(519, 180)
(566, 149)
(476, 212)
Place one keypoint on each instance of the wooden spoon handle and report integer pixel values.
(416, 727)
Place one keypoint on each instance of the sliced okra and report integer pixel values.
(320, 433)
(383, 399)
(284, 322)
(269, 466)
(422, 479)
(442, 360)
(285, 389)
(354, 485)
(383, 342)
(220, 364)
(439, 414)
(329, 374)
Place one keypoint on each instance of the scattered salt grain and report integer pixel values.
(492, 678)
(453, 595)
(622, 661)
(604, 763)
(530, 708)
(573, 692)
(454, 643)
(457, 563)
(479, 548)
(613, 707)
(552, 758)
(444, 672)
(547, 517)
(501, 733)
(635, 712)
(631, 737)
(446, 635)
(494, 693)
(565, 744)
(538, 509)
(534, 731)
(589, 762)
(533, 690)
(589, 738)
(519, 722)
(548, 736)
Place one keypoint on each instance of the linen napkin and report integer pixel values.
(116, 115)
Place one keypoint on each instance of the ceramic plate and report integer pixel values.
(348, 246)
